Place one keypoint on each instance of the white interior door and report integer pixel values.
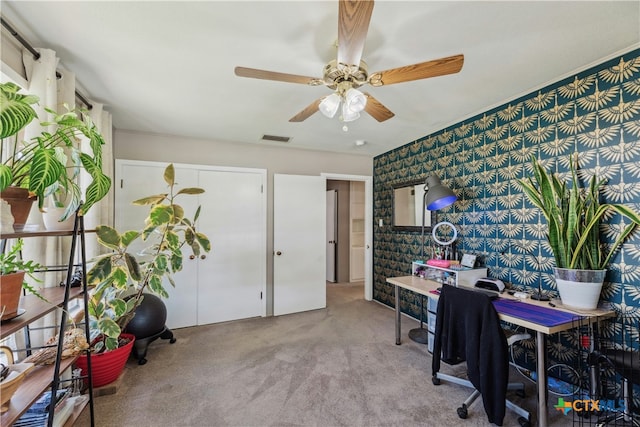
(139, 180)
(332, 220)
(299, 233)
(232, 277)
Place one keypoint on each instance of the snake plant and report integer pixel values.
(574, 214)
(49, 162)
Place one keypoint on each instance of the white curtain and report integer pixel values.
(54, 93)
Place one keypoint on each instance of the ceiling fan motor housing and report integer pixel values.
(336, 73)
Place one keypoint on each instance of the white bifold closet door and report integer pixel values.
(229, 282)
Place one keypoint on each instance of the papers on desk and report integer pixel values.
(534, 313)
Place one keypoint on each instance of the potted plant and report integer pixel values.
(573, 214)
(122, 276)
(12, 271)
(32, 168)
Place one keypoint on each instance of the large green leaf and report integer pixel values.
(45, 170)
(151, 200)
(96, 191)
(129, 236)
(6, 177)
(190, 190)
(100, 271)
(133, 266)
(160, 214)
(109, 327)
(108, 236)
(170, 175)
(15, 109)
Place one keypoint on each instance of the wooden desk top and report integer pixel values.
(583, 317)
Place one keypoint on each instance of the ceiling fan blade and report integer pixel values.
(423, 70)
(307, 112)
(353, 24)
(376, 109)
(272, 75)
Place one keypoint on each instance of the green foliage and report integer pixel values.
(49, 164)
(574, 214)
(11, 262)
(121, 276)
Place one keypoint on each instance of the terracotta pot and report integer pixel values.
(20, 202)
(107, 367)
(10, 292)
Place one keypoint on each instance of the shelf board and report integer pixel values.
(36, 308)
(31, 230)
(36, 382)
(75, 414)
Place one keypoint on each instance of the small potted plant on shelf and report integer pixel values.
(574, 214)
(12, 280)
(122, 276)
(39, 167)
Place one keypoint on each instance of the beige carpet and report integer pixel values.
(333, 367)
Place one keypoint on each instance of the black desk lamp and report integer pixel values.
(436, 196)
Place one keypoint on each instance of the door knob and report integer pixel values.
(203, 256)
(192, 257)
(278, 253)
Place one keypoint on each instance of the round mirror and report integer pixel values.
(444, 233)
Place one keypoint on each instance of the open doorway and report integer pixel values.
(350, 252)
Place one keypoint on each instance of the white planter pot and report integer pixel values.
(51, 219)
(579, 288)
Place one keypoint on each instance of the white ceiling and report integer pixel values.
(168, 67)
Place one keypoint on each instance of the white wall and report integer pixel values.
(276, 159)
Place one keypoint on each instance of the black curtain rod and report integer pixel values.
(36, 56)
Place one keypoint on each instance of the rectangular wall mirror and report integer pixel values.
(407, 207)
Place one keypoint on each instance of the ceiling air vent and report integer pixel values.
(276, 138)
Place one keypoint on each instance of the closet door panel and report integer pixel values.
(141, 180)
(232, 276)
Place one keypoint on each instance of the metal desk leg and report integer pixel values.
(541, 367)
(397, 315)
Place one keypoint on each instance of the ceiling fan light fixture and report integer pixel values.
(355, 100)
(349, 115)
(329, 105)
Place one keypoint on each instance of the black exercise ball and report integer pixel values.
(150, 317)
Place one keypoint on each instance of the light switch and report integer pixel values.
(381, 222)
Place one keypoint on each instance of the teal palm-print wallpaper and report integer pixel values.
(595, 113)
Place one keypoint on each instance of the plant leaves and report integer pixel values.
(108, 236)
(109, 327)
(128, 237)
(170, 175)
(6, 177)
(190, 190)
(150, 200)
(160, 214)
(15, 111)
(100, 271)
(133, 267)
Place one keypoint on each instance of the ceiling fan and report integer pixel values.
(348, 72)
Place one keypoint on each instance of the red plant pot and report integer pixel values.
(107, 367)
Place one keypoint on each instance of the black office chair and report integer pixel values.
(468, 329)
(625, 363)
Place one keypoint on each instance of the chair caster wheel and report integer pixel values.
(521, 393)
(524, 422)
(142, 361)
(172, 341)
(435, 380)
(462, 411)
